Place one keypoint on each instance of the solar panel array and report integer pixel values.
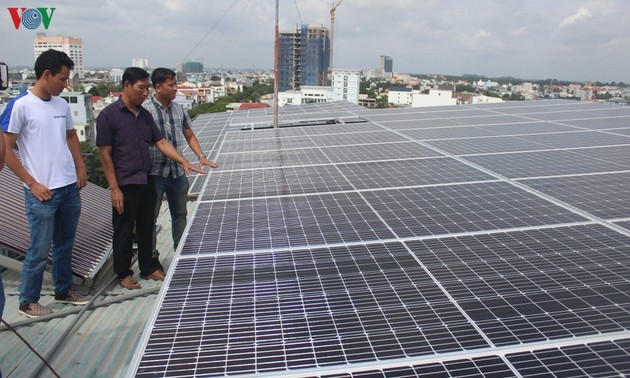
(484, 240)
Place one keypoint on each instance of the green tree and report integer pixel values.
(93, 165)
(104, 89)
(465, 88)
(513, 97)
(252, 93)
(382, 102)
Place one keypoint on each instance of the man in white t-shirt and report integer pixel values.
(52, 171)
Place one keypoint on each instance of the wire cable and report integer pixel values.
(298, 12)
(209, 31)
(53, 350)
(30, 347)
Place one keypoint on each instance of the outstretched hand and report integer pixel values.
(189, 167)
(203, 161)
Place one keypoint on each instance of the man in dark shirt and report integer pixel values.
(124, 132)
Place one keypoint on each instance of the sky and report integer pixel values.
(573, 40)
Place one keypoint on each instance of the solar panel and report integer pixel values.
(313, 307)
(550, 163)
(402, 173)
(625, 132)
(487, 145)
(447, 133)
(601, 123)
(281, 181)
(377, 152)
(485, 240)
(576, 139)
(271, 159)
(603, 195)
(527, 128)
(281, 222)
(464, 208)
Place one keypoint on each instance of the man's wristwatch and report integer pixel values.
(201, 156)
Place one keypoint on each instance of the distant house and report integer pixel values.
(252, 106)
(305, 95)
(436, 97)
(400, 96)
(82, 114)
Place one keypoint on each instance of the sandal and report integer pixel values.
(129, 283)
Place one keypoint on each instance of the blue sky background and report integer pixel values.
(574, 40)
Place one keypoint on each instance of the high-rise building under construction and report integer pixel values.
(303, 57)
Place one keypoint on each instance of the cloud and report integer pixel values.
(477, 39)
(530, 39)
(581, 14)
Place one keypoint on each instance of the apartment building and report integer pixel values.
(70, 45)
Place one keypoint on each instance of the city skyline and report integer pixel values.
(535, 40)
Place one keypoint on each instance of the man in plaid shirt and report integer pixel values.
(175, 124)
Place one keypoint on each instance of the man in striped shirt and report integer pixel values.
(175, 125)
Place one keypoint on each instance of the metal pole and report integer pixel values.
(275, 72)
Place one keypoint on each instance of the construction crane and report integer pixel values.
(333, 8)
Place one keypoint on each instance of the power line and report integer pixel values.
(209, 31)
(30, 347)
(298, 12)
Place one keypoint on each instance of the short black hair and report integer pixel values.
(133, 74)
(160, 75)
(53, 61)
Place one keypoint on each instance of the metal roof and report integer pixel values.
(100, 343)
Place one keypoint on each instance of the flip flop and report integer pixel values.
(129, 283)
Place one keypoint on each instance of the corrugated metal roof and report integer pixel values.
(104, 340)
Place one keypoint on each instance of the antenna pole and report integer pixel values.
(275, 72)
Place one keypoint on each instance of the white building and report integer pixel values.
(486, 85)
(400, 96)
(140, 63)
(483, 99)
(82, 115)
(315, 94)
(116, 75)
(436, 97)
(183, 101)
(208, 94)
(70, 45)
(345, 86)
(306, 95)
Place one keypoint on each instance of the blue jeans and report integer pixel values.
(50, 222)
(176, 190)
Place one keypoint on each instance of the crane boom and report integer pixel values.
(333, 8)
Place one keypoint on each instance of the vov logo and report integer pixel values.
(31, 18)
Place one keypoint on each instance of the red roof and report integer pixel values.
(252, 106)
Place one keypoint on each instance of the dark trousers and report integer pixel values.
(139, 211)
